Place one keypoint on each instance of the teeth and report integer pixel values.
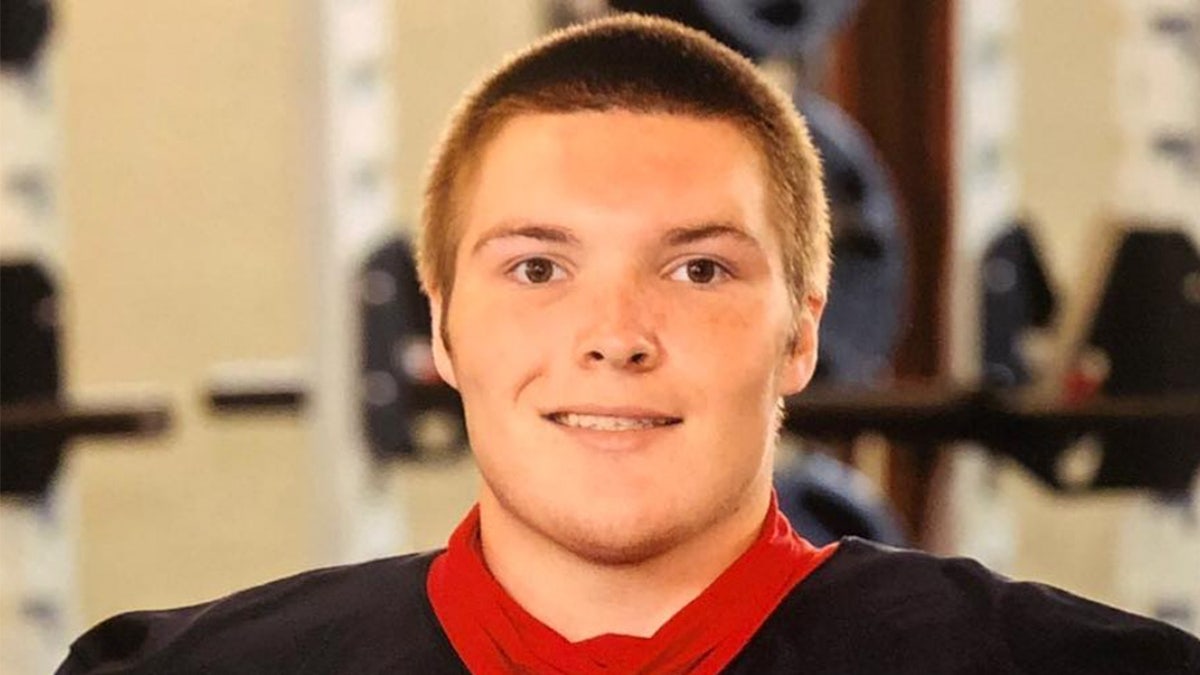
(606, 423)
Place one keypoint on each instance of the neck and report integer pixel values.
(581, 598)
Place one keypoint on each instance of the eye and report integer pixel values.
(536, 271)
(702, 271)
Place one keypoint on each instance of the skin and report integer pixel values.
(620, 262)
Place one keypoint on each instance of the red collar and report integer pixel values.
(493, 634)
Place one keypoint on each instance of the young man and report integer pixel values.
(625, 244)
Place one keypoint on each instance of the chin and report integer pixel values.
(624, 532)
(629, 532)
(605, 544)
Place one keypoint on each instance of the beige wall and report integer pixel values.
(185, 247)
(187, 145)
(1118, 547)
(1068, 143)
(1067, 152)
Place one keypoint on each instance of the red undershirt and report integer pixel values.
(493, 634)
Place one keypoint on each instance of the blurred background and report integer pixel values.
(215, 359)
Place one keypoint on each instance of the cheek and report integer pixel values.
(745, 331)
(732, 354)
(500, 341)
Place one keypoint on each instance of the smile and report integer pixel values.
(610, 423)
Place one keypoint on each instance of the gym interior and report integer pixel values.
(216, 366)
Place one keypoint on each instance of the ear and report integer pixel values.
(441, 351)
(801, 362)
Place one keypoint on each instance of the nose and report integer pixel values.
(620, 332)
(635, 355)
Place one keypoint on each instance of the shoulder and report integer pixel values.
(368, 617)
(871, 608)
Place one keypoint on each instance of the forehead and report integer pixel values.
(617, 165)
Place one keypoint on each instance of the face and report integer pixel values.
(620, 329)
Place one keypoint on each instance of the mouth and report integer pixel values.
(611, 422)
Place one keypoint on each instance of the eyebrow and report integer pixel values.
(681, 236)
(676, 236)
(546, 233)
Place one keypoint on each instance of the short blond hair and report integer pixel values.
(638, 64)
